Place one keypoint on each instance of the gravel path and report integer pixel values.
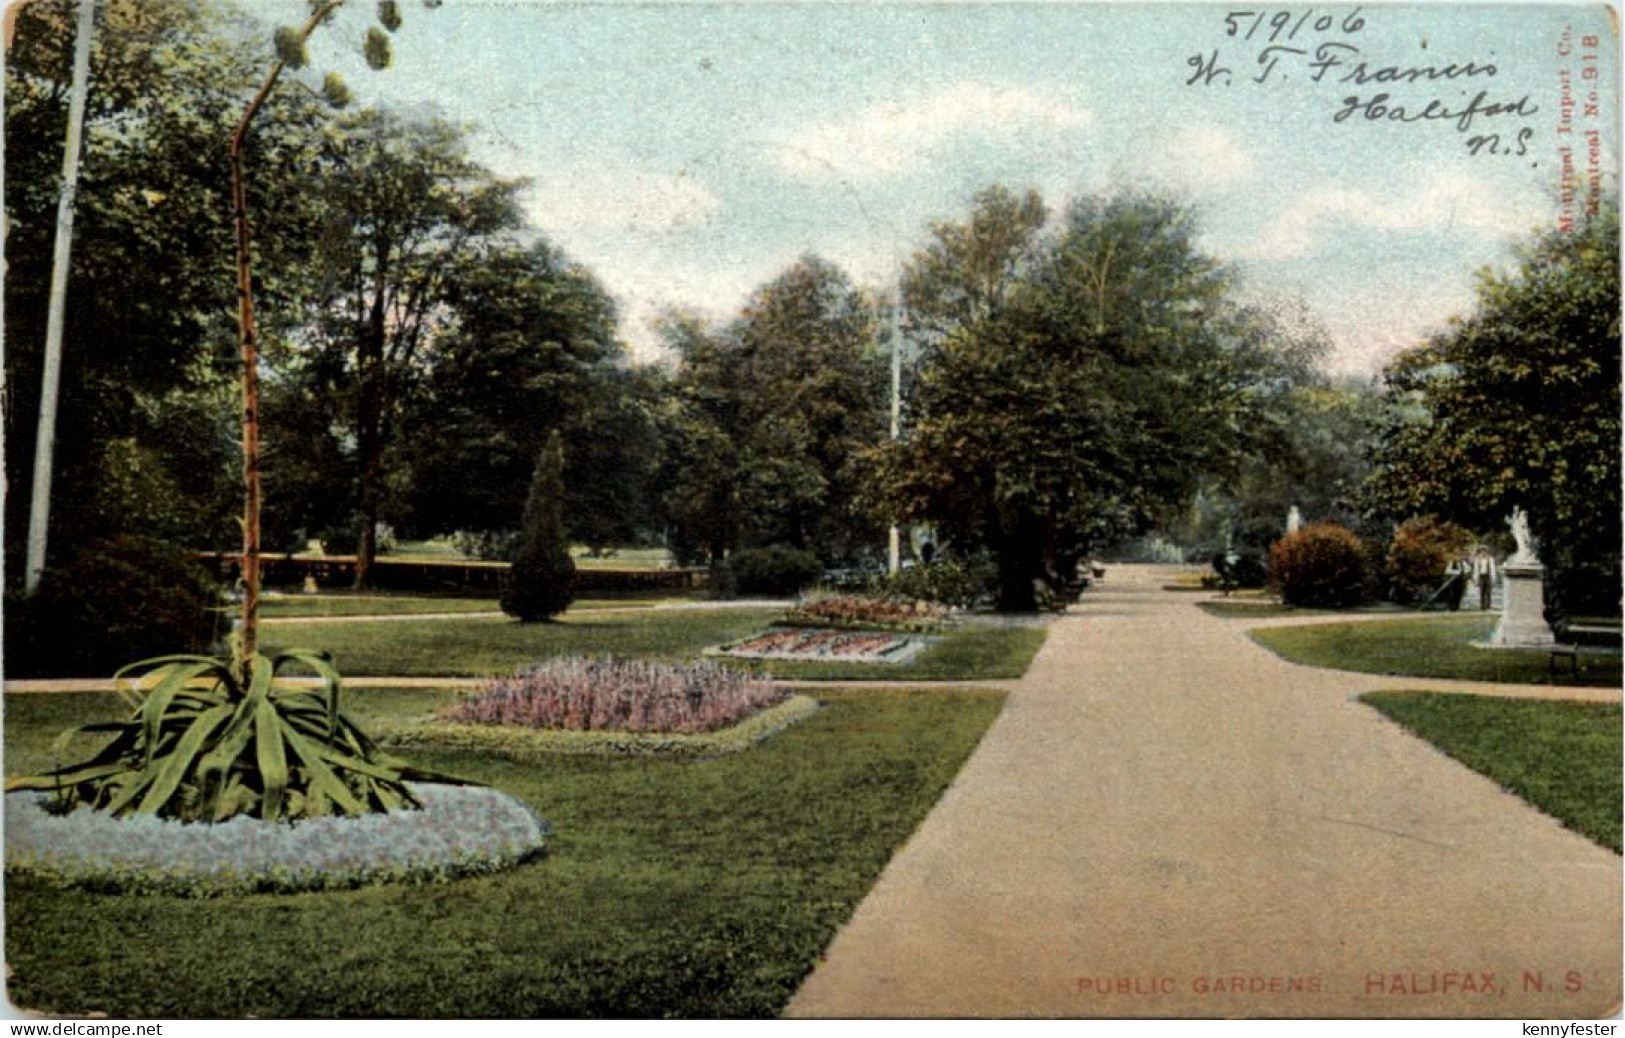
(1168, 820)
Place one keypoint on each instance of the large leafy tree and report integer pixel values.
(967, 271)
(613, 450)
(1311, 450)
(148, 337)
(702, 454)
(528, 348)
(773, 410)
(1108, 373)
(405, 209)
(1516, 405)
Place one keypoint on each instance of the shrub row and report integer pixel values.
(112, 603)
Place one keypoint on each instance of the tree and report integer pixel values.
(614, 448)
(1516, 405)
(1086, 396)
(528, 348)
(406, 208)
(212, 738)
(1309, 446)
(148, 331)
(702, 432)
(967, 271)
(538, 586)
(774, 409)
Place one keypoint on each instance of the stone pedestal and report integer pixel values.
(1523, 620)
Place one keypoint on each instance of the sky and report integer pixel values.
(687, 153)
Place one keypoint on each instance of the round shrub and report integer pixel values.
(1247, 571)
(460, 830)
(1321, 565)
(955, 584)
(1421, 552)
(777, 570)
(113, 602)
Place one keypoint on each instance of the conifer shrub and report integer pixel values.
(540, 584)
(1320, 565)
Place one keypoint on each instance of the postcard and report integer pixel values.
(816, 510)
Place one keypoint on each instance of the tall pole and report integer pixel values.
(894, 548)
(39, 509)
(248, 338)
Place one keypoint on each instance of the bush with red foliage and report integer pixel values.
(1322, 564)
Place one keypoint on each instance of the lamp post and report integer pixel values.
(39, 510)
(894, 552)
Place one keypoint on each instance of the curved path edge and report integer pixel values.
(1167, 820)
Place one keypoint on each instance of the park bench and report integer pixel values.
(1588, 635)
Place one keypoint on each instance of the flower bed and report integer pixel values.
(525, 745)
(581, 694)
(459, 830)
(856, 610)
(803, 643)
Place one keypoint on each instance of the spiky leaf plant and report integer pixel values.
(201, 746)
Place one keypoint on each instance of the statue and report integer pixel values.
(1525, 555)
(1523, 611)
(1294, 519)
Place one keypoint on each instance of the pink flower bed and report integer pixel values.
(618, 695)
(821, 644)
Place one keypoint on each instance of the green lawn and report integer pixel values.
(624, 558)
(1564, 758)
(478, 646)
(402, 605)
(441, 550)
(1428, 647)
(369, 605)
(1253, 609)
(967, 654)
(669, 888)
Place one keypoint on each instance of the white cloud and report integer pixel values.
(609, 200)
(1202, 158)
(1443, 202)
(895, 137)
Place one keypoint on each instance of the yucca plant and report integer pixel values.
(212, 738)
(200, 746)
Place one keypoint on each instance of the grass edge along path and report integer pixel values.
(962, 654)
(1564, 758)
(670, 888)
(1427, 647)
(475, 647)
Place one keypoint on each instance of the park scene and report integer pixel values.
(821, 511)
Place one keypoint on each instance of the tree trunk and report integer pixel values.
(370, 425)
(1020, 549)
